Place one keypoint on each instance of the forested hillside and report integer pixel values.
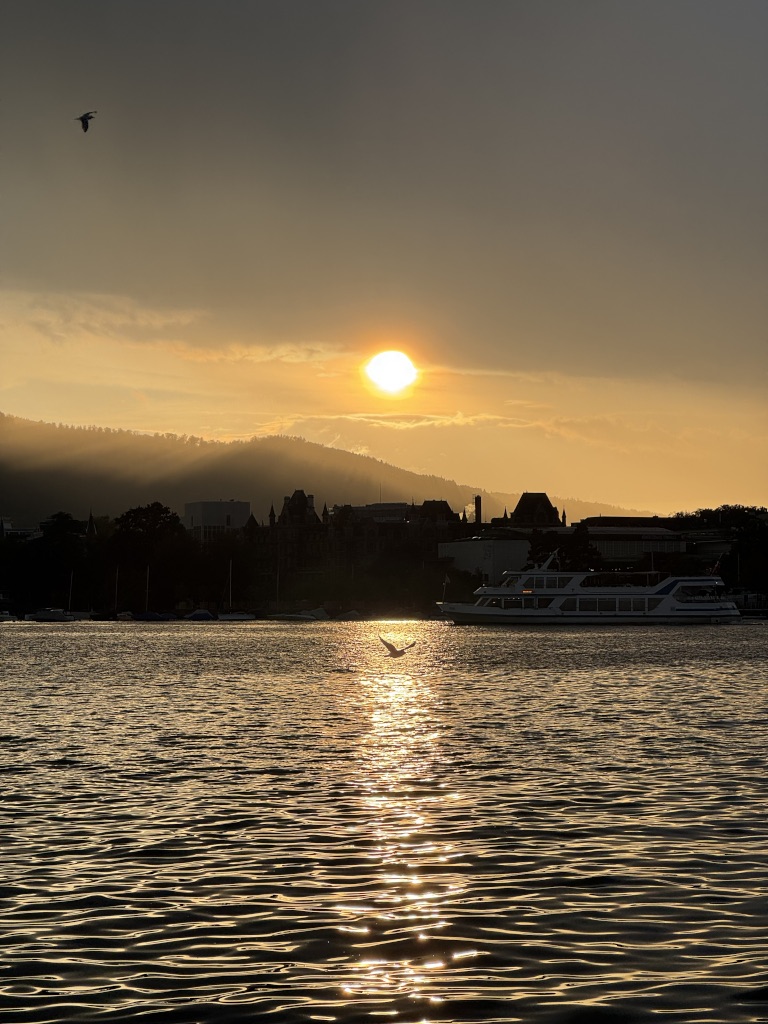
(45, 468)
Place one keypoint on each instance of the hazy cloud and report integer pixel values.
(71, 318)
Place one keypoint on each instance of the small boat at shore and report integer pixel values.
(315, 615)
(49, 615)
(544, 596)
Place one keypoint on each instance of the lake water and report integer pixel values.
(229, 822)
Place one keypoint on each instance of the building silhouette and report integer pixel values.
(206, 520)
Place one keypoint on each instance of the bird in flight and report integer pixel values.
(85, 118)
(396, 652)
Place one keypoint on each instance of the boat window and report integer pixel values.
(511, 581)
(594, 579)
(638, 604)
(529, 583)
(606, 604)
(568, 604)
(543, 602)
(625, 604)
(654, 602)
(564, 581)
(694, 592)
(587, 604)
(513, 602)
(494, 602)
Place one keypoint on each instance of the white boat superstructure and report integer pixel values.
(543, 595)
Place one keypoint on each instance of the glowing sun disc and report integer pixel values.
(391, 371)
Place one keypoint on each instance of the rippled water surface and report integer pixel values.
(223, 822)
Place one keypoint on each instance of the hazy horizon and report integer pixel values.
(557, 211)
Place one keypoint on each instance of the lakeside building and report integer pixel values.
(505, 543)
(534, 511)
(379, 512)
(206, 520)
(361, 534)
(335, 551)
(351, 538)
(487, 554)
(10, 532)
(295, 541)
(433, 510)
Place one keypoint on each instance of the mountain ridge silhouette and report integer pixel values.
(48, 467)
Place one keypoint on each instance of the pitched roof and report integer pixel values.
(534, 509)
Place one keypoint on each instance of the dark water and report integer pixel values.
(233, 821)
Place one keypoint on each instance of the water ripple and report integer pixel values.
(215, 822)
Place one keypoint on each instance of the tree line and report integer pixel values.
(145, 561)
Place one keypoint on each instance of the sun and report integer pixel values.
(391, 371)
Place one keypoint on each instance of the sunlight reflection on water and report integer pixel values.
(402, 769)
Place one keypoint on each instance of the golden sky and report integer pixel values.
(558, 210)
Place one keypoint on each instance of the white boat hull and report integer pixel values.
(470, 614)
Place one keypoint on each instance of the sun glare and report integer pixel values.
(391, 371)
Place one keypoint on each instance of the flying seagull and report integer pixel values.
(85, 118)
(396, 652)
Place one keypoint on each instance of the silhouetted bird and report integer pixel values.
(85, 118)
(396, 652)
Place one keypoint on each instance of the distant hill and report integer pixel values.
(47, 468)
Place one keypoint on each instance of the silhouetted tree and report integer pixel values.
(746, 526)
(149, 524)
(62, 528)
(540, 547)
(578, 552)
(151, 539)
(746, 564)
(736, 517)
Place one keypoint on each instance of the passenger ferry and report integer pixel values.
(542, 596)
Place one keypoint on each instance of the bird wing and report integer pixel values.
(390, 647)
(409, 646)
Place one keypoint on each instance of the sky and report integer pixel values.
(557, 209)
